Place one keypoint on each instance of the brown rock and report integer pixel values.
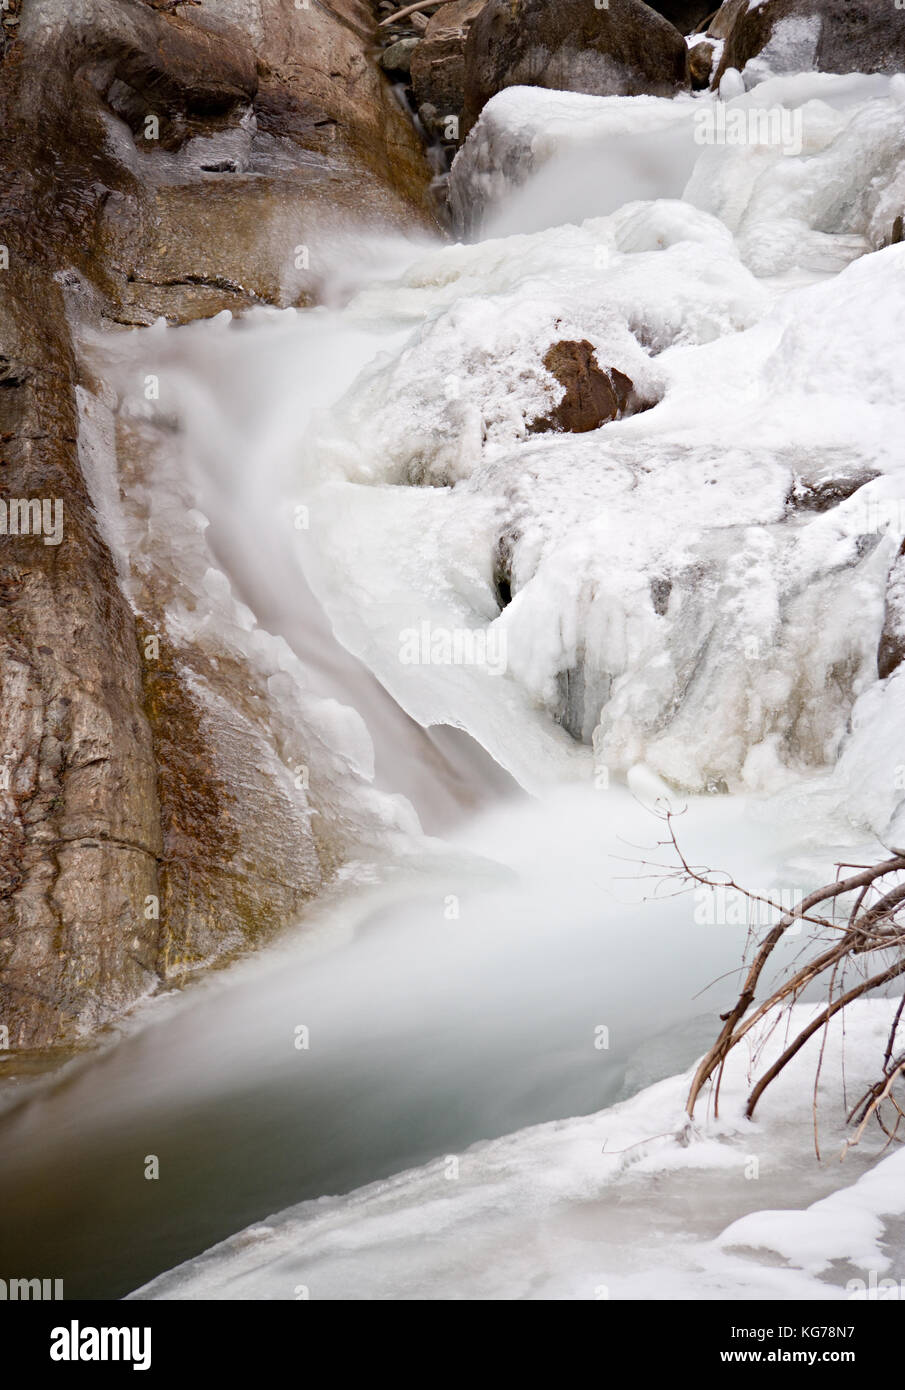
(127, 789)
(592, 396)
(438, 63)
(700, 63)
(624, 50)
(720, 26)
(851, 35)
(79, 825)
(891, 652)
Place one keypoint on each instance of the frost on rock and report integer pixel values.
(792, 47)
(701, 586)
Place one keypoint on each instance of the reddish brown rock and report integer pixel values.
(592, 397)
(701, 58)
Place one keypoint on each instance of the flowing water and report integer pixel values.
(463, 994)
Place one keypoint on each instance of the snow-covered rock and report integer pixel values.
(623, 47)
(782, 36)
(700, 587)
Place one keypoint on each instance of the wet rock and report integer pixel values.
(502, 568)
(397, 58)
(592, 397)
(79, 827)
(891, 652)
(153, 163)
(720, 25)
(701, 59)
(827, 35)
(823, 491)
(626, 49)
(660, 593)
(207, 163)
(438, 64)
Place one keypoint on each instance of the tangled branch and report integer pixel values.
(868, 927)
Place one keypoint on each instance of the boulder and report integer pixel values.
(570, 45)
(702, 55)
(720, 26)
(438, 63)
(592, 397)
(397, 58)
(824, 35)
(823, 490)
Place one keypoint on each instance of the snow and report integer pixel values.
(671, 582)
(678, 597)
(847, 1225)
(609, 150)
(628, 1203)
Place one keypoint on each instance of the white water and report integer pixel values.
(458, 998)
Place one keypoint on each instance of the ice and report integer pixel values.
(792, 47)
(826, 205)
(680, 593)
(623, 1204)
(847, 1225)
(689, 586)
(538, 158)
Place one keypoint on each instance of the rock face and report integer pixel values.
(891, 652)
(592, 397)
(720, 26)
(151, 164)
(438, 64)
(625, 50)
(80, 834)
(831, 35)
